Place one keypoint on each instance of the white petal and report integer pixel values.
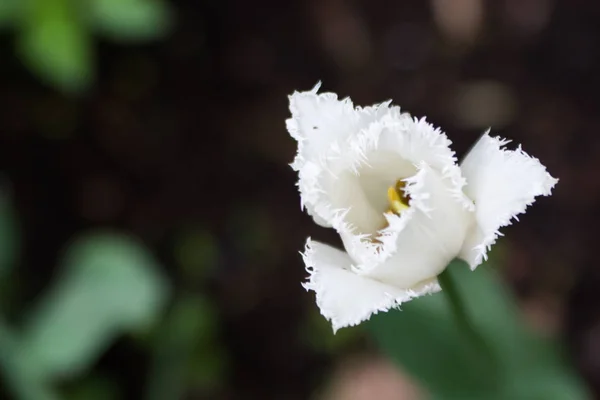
(345, 298)
(502, 183)
(424, 239)
(395, 147)
(320, 122)
(323, 126)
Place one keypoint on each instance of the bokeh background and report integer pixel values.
(150, 223)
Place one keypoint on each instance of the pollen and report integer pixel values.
(398, 200)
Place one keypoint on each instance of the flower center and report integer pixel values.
(397, 198)
(397, 202)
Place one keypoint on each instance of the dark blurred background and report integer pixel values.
(180, 144)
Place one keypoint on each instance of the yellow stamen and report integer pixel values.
(398, 201)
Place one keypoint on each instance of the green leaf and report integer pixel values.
(20, 370)
(130, 20)
(55, 45)
(10, 12)
(427, 341)
(110, 284)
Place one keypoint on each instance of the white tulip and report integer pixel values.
(390, 185)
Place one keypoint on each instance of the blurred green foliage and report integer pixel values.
(516, 364)
(19, 368)
(109, 284)
(55, 37)
(55, 45)
(129, 20)
(189, 327)
(9, 10)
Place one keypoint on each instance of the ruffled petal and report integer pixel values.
(323, 127)
(502, 183)
(397, 147)
(319, 122)
(347, 299)
(421, 242)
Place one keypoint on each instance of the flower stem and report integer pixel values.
(459, 310)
